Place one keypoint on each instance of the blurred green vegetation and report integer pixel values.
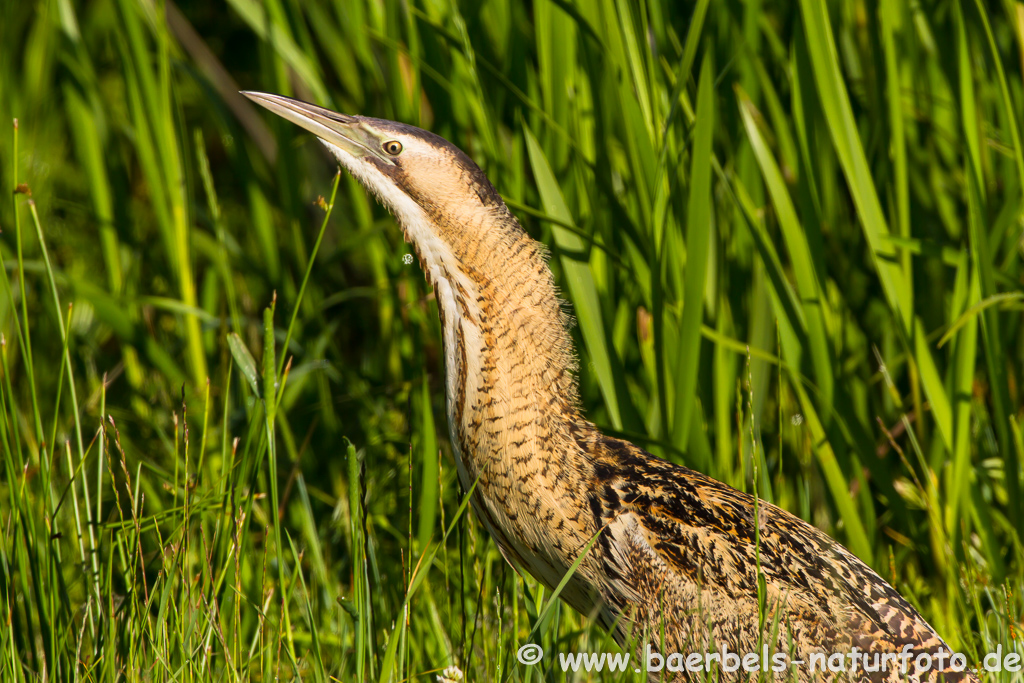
(221, 412)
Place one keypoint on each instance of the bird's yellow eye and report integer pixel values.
(392, 147)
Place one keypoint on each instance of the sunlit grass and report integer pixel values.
(224, 453)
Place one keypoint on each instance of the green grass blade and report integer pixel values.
(579, 279)
(699, 224)
(811, 294)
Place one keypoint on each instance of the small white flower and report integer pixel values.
(797, 420)
(407, 259)
(451, 674)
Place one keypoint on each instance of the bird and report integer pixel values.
(672, 562)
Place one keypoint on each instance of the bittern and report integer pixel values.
(676, 554)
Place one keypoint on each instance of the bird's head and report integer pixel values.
(471, 248)
(419, 176)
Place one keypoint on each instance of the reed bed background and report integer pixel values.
(791, 235)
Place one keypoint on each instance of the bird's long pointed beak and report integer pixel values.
(340, 130)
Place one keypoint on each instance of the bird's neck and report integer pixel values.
(509, 359)
(511, 389)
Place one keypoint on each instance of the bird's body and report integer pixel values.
(672, 556)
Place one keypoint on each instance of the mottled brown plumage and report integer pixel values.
(675, 556)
